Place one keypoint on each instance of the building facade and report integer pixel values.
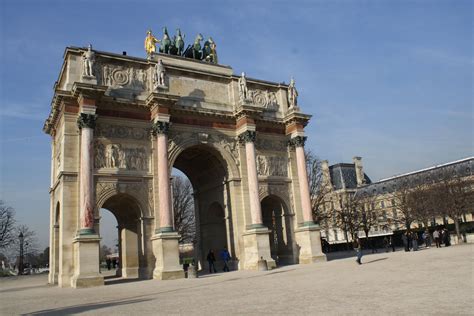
(348, 179)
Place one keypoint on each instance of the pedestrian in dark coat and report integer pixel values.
(211, 259)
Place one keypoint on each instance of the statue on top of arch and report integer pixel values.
(175, 46)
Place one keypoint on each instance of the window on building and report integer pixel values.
(372, 206)
(335, 234)
(382, 204)
(393, 202)
(384, 215)
(394, 213)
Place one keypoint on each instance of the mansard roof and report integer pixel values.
(343, 176)
(461, 168)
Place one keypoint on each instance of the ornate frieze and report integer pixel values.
(124, 77)
(272, 166)
(118, 156)
(248, 137)
(271, 144)
(264, 99)
(120, 131)
(160, 127)
(86, 120)
(297, 141)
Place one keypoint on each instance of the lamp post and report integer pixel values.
(20, 263)
(25, 261)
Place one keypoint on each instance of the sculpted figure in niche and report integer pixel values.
(159, 75)
(243, 90)
(292, 94)
(88, 60)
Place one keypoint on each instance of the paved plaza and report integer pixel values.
(427, 282)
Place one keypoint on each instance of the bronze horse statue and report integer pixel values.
(165, 42)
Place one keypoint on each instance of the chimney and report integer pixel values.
(359, 170)
(325, 173)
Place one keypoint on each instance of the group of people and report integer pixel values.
(411, 241)
(211, 260)
(111, 263)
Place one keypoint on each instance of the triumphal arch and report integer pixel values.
(119, 124)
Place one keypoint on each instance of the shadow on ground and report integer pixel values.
(76, 309)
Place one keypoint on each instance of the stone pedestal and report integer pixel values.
(166, 251)
(256, 246)
(308, 239)
(86, 265)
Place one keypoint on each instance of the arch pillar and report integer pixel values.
(165, 240)
(86, 244)
(256, 238)
(307, 235)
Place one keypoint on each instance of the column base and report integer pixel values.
(308, 238)
(256, 246)
(86, 262)
(166, 251)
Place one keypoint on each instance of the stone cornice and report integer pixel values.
(161, 99)
(58, 98)
(86, 90)
(297, 117)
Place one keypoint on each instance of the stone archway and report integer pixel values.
(207, 171)
(128, 214)
(274, 213)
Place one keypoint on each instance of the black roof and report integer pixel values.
(461, 168)
(343, 176)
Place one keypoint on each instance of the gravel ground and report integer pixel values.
(427, 282)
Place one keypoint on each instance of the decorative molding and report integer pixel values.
(120, 131)
(248, 137)
(297, 141)
(264, 99)
(160, 127)
(271, 145)
(85, 120)
(124, 77)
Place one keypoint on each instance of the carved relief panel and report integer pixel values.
(270, 165)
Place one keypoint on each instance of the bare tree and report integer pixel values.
(455, 195)
(368, 215)
(30, 241)
(346, 215)
(401, 197)
(319, 189)
(419, 200)
(7, 225)
(183, 208)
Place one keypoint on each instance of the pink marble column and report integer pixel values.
(160, 129)
(255, 208)
(298, 142)
(86, 123)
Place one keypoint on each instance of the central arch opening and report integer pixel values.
(207, 172)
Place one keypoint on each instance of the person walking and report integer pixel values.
(415, 241)
(405, 241)
(211, 259)
(436, 237)
(392, 243)
(358, 249)
(386, 243)
(225, 256)
(446, 237)
(427, 239)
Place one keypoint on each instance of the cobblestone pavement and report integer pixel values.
(427, 282)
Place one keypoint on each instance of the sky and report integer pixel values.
(390, 81)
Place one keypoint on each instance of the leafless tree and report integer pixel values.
(420, 200)
(346, 215)
(7, 225)
(30, 241)
(401, 197)
(455, 195)
(183, 208)
(368, 214)
(319, 189)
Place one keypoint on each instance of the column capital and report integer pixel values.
(248, 137)
(297, 141)
(85, 120)
(160, 127)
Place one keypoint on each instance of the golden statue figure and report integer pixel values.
(150, 43)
